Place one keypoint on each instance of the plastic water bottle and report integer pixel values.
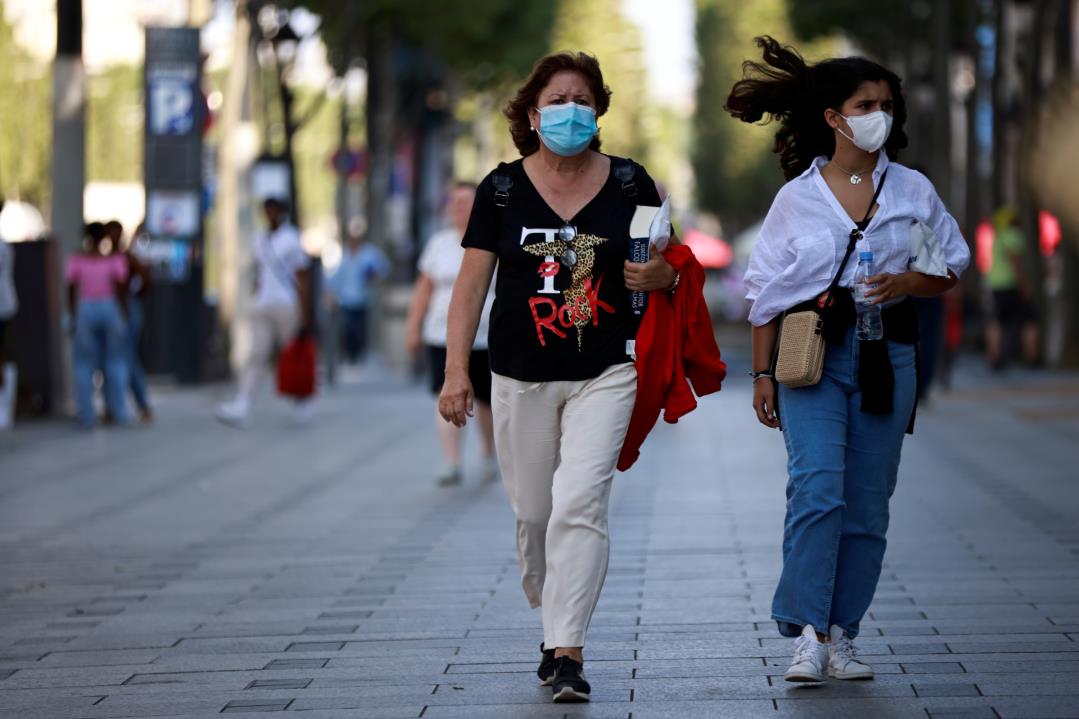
(869, 325)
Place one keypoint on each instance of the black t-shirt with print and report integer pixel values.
(551, 321)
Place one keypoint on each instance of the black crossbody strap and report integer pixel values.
(855, 235)
(273, 261)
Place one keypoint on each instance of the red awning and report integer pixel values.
(712, 252)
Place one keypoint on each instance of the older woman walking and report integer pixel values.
(556, 222)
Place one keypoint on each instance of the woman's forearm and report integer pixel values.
(764, 344)
(922, 285)
(466, 305)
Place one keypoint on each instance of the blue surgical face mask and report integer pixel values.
(567, 129)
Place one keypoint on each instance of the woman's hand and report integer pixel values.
(890, 287)
(764, 402)
(656, 274)
(455, 403)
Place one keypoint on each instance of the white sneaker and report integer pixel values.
(843, 658)
(303, 412)
(234, 413)
(490, 469)
(810, 659)
(448, 476)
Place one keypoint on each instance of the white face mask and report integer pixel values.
(870, 132)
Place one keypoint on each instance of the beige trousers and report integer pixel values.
(271, 326)
(558, 443)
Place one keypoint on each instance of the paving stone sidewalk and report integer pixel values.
(190, 570)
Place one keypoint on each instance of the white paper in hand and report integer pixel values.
(926, 254)
(659, 234)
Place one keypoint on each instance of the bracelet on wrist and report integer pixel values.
(677, 279)
(759, 375)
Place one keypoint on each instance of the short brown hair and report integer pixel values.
(585, 65)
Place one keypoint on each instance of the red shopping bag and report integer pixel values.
(296, 368)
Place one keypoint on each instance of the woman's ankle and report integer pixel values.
(574, 653)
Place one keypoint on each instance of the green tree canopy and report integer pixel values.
(599, 28)
(25, 133)
(486, 41)
(737, 172)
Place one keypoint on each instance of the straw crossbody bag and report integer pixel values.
(799, 359)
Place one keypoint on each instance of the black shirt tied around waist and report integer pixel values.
(876, 378)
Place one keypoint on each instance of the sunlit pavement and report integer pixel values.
(191, 569)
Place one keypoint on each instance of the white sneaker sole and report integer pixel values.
(230, 421)
(803, 678)
(568, 694)
(851, 676)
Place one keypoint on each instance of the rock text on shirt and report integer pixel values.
(582, 304)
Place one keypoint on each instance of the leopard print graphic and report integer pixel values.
(575, 295)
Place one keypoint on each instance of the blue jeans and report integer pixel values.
(842, 466)
(354, 322)
(100, 332)
(137, 376)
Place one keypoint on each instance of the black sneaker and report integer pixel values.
(546, 667)
(569, 683)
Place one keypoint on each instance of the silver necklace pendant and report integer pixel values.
(855, 178)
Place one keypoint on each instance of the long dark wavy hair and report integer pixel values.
(516, 110)
(795, 94)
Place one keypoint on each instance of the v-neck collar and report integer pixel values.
(818, 178)
(551, 210)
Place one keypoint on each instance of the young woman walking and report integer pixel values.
(840, 132)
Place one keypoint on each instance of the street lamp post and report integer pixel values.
(285, 42)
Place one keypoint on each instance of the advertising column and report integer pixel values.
(175, 113)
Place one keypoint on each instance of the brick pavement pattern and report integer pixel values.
(191, 570)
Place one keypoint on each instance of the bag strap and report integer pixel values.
(623, 169)
(855, 235)
(273, 262)
(502, 182)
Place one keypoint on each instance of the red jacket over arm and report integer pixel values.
(675, 347)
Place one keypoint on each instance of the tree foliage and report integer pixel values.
(486, 41)
(735, 171)
(114, 123)
(599, 28)
(25, 133)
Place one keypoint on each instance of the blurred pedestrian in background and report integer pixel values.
(557, 224)
(97, 291)
(138, 284)
(1013, 301)
(9, 305)
(280, 311)
(840, 131)
(931, 345)
(362, 264)
(427, 317)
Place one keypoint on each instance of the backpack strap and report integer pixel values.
(502, 181)
(625, 171)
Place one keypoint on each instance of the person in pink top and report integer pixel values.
(96, 285)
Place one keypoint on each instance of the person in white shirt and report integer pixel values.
(840, 131)
(281, 307)
(438, 267)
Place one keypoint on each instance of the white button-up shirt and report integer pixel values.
(805, 235)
